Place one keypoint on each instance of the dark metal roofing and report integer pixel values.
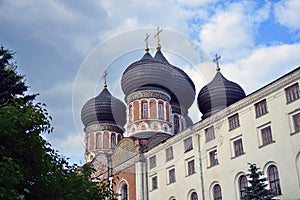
(158, 73)
(218, 94)
(104, 108)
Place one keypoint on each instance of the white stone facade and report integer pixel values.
(271, 139)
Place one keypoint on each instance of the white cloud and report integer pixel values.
(287, 12)
(231, 30)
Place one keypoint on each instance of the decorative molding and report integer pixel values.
(148, 94)
(104, 127)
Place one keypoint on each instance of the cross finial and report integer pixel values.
(104, 77)
(158, 46)
(146, 40)
(216, 60)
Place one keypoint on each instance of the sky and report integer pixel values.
(64, 46)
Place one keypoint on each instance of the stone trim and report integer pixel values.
(148, 94)
(104, 127)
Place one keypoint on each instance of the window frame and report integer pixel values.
(233, 121)
(274, 180)
(217, 192)
(213, 158)
(296, 122)
(242, 183)
(152, 162)
(266, 135)
(261, 108)
(193, 197)
(191, 167)
(209, 133)
(144, 111)
(171, 175)
(292, 93)
(169, 153)
(160, 111)
(154, 182)
(238, 147)
(188, 144)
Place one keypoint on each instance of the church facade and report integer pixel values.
(166, 156)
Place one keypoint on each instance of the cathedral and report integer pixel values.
(157, 152)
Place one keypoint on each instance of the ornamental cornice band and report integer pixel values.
(104, 127)
(148, 94)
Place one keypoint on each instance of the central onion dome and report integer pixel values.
(104, 108)
(218, 94)
(158, 74)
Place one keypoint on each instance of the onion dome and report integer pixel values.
(156, 73)
(104, 108)
(218, 94)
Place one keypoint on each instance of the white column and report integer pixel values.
(139, 180)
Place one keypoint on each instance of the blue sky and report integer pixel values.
(55, 41)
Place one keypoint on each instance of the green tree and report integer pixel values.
(257, 188)
(29, 167)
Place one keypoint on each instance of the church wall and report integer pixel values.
(127, 176)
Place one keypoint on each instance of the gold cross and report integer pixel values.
(104, 77)
(146, 40)
(158, 46)
(216, 60)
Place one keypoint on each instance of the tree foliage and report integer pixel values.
(257, 188)
(29, 167)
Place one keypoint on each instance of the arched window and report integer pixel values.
(160, 110)
(176, 124)
(194, 196)
(130, 113)
(217, 193)
(242, 185)
(113, 140)
(124, 192)
(274, 179)
(98, 141)
(144, 110)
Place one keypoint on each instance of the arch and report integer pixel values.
(238, 184)
(165, 127)
(192, 195)
(216, 191)
(143, 126)
(172, 198)
(273, 178)
(123, 190)
(155, 124)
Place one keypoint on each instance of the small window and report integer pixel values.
(191, 167)
(130, 113)
(296, 120)
(242, 185)
(152, 162)
(160, 110)
(154, 183)
(176, 124)
(113, 141)
(217, 193)
(144, 110)
(169, 153)
(238, 147)
(261, 108)
(98, 141)
(266, 135)
(124, 192)
(213, 158)
(209, 134)
(194, 196)
(188, 144)
(292, 93)
(234, 121)
(172, 178)
(274, 180)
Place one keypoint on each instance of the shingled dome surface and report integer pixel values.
(104, 108)
(156, 73)
(218, 94)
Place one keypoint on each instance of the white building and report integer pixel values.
(166, 156)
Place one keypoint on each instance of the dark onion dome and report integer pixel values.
(104, 108)
(157, 73)
(218, 94)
